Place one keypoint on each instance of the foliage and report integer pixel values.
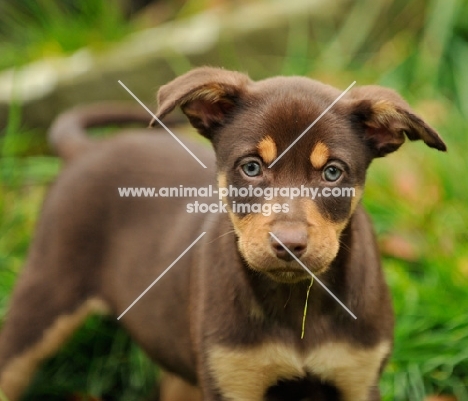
(31, 29)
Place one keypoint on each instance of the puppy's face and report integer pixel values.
(328, 159)
(295, 200)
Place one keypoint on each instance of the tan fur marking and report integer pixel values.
(384, 107)
(173, 388)
(19, 371)
(319, 155)
(386, 115)
(351, 369)
(211, 93)
(197, 104)
(252, 232)
(222, 183)
(324, 234)
(241, 224)
(267, 149)
(253, 237)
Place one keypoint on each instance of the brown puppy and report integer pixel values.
(228, 317)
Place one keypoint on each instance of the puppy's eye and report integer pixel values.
(331, 173)
(252, 169)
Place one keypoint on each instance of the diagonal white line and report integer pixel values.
(311, 125)
(161, 275)
(314, 276)
(161, 123)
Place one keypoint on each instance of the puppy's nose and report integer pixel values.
(292, 238)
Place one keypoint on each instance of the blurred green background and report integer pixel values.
(418, 198)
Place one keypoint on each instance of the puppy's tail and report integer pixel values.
(68, 136)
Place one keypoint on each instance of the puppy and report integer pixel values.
(229, 319)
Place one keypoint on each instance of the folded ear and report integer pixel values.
(386, 118)
(206, 95)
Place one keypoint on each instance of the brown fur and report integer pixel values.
(225, 322)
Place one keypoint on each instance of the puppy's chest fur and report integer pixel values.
(268, 347)
(245, 373)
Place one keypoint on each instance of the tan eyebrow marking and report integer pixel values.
(319, 155)
(267, 149)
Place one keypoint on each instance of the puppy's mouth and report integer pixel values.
(287, 270)
(287, 274)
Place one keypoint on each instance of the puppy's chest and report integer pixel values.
(245, 373)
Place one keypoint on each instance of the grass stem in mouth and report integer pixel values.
(305, 307)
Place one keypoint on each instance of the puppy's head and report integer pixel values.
(252, 126)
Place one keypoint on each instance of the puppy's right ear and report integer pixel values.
(206, 95)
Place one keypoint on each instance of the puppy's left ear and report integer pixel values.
(206, 95)
(386, 118)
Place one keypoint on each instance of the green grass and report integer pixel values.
(429, 292)
(418, 196)
(33, 29)
(100, 360)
